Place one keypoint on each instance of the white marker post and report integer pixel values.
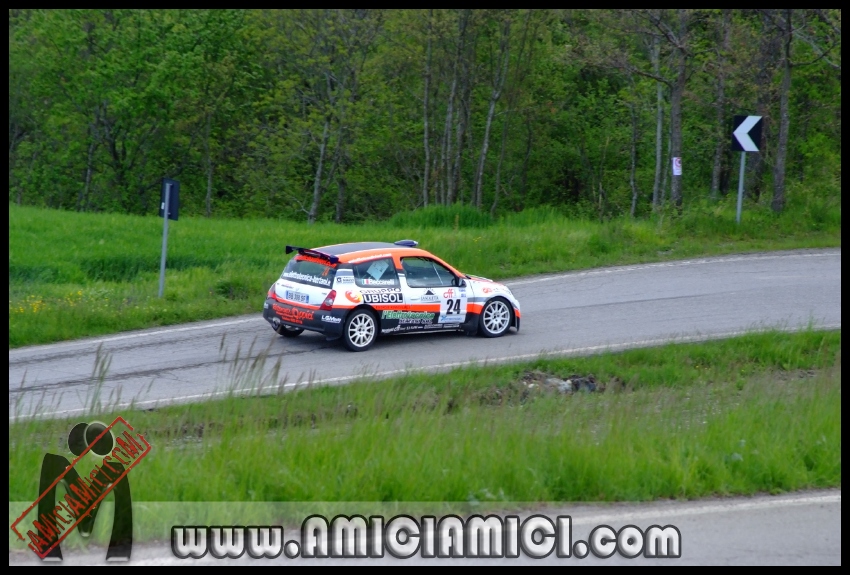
(742, 141)
(741, 187)
(165, 207)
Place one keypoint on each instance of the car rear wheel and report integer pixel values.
(285, 330)
(360, 331)
(495, 318)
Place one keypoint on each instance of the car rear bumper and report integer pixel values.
(326, 322)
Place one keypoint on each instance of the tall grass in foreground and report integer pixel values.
(72, 274)
(756, 413)
(641, 446)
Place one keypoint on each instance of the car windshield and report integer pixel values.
(310, 271)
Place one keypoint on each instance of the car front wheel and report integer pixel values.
(360, 331)
(495, 318)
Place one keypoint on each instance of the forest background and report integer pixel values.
(356, 115)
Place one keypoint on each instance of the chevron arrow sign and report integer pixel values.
(746, 132)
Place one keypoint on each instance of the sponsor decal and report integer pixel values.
(389, 314)
(353, 296)
(303, 258)
(393, 297)
(429, 296)
(331, 319)
(367, 258)
(487, 290)
(266, 305)
(344, 279)
(372, 282)
(291, 314)
(381, 290)
(453, 306)
(308, 278)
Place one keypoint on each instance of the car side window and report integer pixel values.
(422, 272)
(378, 273)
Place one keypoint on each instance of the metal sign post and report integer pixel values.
(741, 187)
(745, 129)
(168, 211)
(164, 240)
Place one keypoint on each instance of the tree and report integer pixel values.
(722, 53)
(264, 112)
(499, 74)
(789, 23)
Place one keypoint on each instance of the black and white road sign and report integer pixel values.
(746, 131)
(173, 196)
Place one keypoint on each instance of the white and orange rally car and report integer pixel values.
(357, 291)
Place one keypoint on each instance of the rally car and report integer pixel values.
(357, 291)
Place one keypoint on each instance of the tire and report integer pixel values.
(360, 330)
(495, 318)
(285, 330)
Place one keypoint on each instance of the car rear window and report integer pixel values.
(305, 270)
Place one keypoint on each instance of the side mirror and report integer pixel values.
(459, 282)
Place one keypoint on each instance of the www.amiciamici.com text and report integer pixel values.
(404, 536)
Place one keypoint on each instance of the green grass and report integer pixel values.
(74, 275)
(758, 413)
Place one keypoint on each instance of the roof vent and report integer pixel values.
(407, 243)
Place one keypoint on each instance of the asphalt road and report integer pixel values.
(570, 313)
(796, 529)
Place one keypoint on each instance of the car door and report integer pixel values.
(379, 286)
(429, 289)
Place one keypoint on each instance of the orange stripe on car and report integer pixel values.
(424, 307)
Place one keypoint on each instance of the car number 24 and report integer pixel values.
(453, 305)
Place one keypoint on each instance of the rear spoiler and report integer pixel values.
(312, 253)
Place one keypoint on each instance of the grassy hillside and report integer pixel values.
(75, 274)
